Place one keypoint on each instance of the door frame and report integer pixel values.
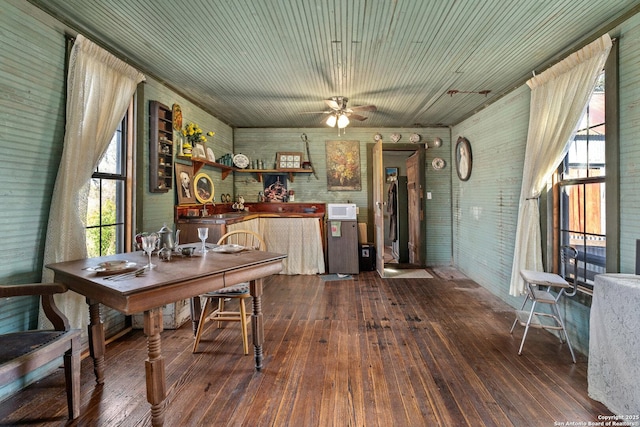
(419, 148)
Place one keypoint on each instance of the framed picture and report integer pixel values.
(463, 159)
(275, 188)
(198, 151)
(184, 184)
(391, 174)
(204, 188)
(343, 165)
(289, 160)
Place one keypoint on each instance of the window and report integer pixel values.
(106, 208)
(582, 213)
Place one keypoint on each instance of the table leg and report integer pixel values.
(257, 325)
(154, 365)
(96, 340)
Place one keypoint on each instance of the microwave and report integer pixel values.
(342, 211)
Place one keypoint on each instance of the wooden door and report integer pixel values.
(416, 213)
(378, 206)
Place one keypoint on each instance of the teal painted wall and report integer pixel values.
(265, 143)
(470, 224)
(156, 209)
(485, 208)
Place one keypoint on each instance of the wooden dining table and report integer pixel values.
(168, 282)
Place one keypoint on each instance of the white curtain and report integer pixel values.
(559, 97)
(99, 90)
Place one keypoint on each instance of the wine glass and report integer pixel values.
(203, 233)
(149, 243)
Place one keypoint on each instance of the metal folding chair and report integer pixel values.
(539, 287)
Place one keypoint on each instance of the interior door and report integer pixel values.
(378, 206)
(416, 213)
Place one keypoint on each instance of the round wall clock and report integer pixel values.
(463, 159)
(241, 161)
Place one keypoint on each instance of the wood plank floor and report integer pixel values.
(362, 352)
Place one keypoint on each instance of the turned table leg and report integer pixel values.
(154, 366)
(96, 340)
(257, 325)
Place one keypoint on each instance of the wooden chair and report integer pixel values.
(25, 351)
(248, 239)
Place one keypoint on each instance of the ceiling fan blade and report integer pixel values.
(332, 104)
(364, 108)
(316, 112)
(357, 117)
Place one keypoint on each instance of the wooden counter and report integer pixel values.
(282, 225)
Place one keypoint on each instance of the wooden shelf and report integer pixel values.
(160, 148)
(226, 170)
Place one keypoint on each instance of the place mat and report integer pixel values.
(335, 277)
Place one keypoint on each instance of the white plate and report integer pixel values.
(241, 161)
(106, 268)
(228, 249)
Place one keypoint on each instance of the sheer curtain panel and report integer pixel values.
(99, 89)
(559, 97)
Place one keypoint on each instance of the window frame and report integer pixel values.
(124, 218)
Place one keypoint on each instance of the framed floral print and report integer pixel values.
(343, 165)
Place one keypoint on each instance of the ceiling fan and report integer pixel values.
(340, 114)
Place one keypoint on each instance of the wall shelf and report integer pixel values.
(160, 148)
(226, 170)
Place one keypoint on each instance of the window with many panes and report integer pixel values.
(582, 204)
(106, 209)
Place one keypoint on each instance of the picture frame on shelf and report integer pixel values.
(184, 184)
(204, 189)
(198, 152)
(390, 174)
(289, 160)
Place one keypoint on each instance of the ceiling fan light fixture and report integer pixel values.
(331, 120)
(343, 121)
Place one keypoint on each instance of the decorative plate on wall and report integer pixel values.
(241, 161)
(437, 163)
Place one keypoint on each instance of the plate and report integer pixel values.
(241, 161)
(228, 249)
(111, 267)
(437, 163)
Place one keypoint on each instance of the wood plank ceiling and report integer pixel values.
(265, 63)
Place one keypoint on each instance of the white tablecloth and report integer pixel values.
(614, 343)
(299, 238)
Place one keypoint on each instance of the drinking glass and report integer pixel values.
(148, 246)
(203, 233)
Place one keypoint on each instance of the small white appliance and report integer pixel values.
(342, 211)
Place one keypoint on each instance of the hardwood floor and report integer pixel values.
(362, 352)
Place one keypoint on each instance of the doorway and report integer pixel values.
(404, 225)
